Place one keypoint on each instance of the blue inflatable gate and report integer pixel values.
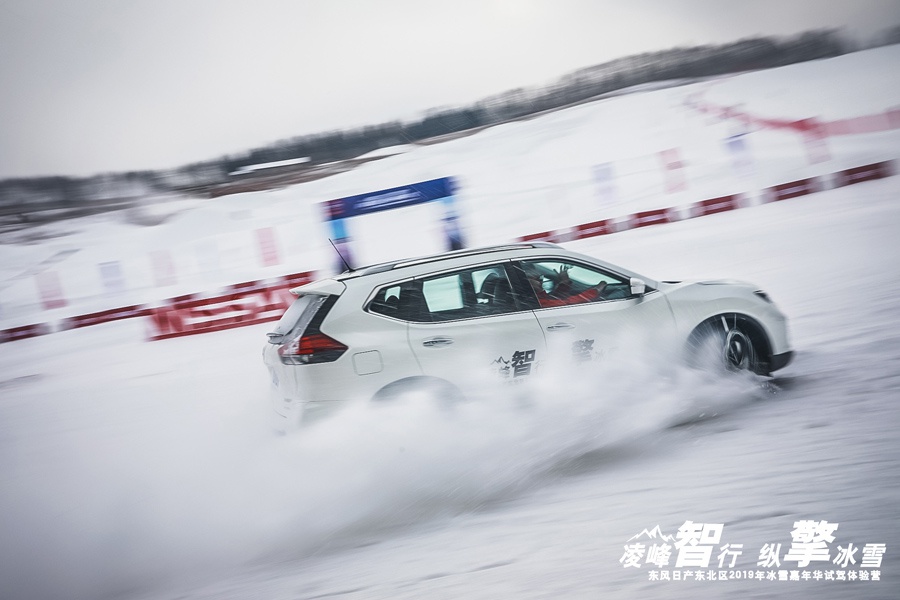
(339, 211)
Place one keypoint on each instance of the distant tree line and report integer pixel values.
(616, 75)
(112, 190)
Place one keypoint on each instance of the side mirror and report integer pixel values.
(638, 287)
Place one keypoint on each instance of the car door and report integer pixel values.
(588, 313)
(473, 331)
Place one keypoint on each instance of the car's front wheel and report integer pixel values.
(726, 342)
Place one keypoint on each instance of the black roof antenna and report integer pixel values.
(343, 260)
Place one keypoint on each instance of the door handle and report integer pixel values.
(438, 342)
(560, 327)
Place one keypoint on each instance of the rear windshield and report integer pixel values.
(297, 316)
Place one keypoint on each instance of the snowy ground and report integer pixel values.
(147, 470)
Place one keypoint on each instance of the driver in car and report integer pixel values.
(562, 293)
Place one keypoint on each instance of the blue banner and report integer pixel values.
(398, 197)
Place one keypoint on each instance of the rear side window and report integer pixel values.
(478, 292)
(387, 300)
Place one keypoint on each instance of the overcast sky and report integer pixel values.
(92, 86)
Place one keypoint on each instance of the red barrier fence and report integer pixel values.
(650, 217)
(867, 124)
(25, 331)
(241, 304)
(792, 189)
(544, 236)
(864, 173)
(104, 316)
(814, 127)
(595, 228)
(715, 205)
(712, 206)
(247, 303)
(188, 315)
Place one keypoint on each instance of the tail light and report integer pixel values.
(311, 348)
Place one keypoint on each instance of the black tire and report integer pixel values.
(725, 342)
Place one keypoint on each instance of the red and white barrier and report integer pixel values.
(651, 217)
(875, 123)
(864, 173)
(243, 304)
(24, 332)
(544, 236)
(104, 316)
(238, 305)
(586, 230)
(784, 191)
(714, 205)
(793, 189)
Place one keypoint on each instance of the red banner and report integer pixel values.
(246, 304)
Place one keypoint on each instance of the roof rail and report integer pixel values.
(408, 262)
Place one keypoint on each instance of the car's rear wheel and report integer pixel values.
(726, 342)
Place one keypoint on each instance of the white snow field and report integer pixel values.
(147, 470)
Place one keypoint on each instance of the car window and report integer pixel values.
(387, 301)
(478, 292)
(444, 293)
(562, 283)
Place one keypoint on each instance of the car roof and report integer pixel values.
(443, 256)
(411, 267)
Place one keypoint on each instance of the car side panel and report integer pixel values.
(378, 353)
(480, 353)
(595, 330)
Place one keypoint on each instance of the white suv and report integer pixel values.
(452, 321)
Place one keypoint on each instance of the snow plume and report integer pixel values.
(375, 466)
(191, 482)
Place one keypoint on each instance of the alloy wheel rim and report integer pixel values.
(737, 350)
